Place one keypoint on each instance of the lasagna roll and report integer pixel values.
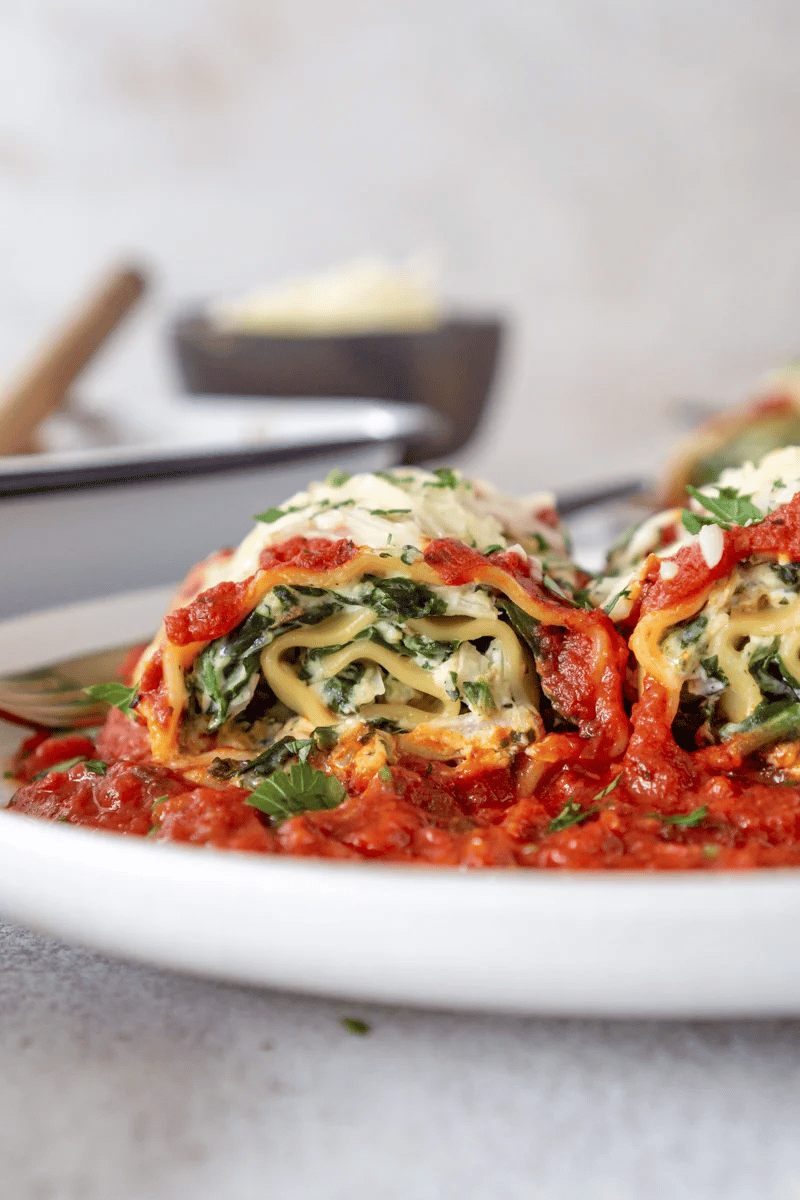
(710, 598)
(768, 421)
(422, 607)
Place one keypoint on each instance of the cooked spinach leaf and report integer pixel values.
(770, 722)
(691, 631)
(767, 667)
(713, 670)
(338, 691)
(523, 625)
(479, 695)
(398, 596)
(788, 573)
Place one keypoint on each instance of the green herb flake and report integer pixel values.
(385, 774)
(615, 782)
(116, 694)
(301, 789)
(392, 477)
(389, 512)
(445, 478)
(410, 554)
(270, 515)
(356, 1026)
(686, 820)
(622, 594)
(692, 522)
(711, 851)
(495, 549)
(275, 514)
(582, 599)
(571, 814)
(337, 478)
(728, 507)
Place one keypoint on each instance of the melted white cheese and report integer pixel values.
(404, 508)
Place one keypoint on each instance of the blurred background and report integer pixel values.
(619, 178)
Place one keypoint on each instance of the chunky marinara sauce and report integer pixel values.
(425, 813)
(656, 807)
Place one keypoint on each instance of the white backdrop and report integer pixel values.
(620, 176)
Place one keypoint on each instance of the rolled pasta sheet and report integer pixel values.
(710, 598)
(423, 607)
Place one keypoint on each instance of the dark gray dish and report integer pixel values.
(449, 369)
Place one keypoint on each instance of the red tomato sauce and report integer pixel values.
(611, 799)
(740, 816)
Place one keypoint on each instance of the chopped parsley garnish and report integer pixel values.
(389, 512)
(410, 554)
(301, 789)
(95, 765)
(116, 694)
(610, 786)
(393, 477)
(727, 508)
(275, 514)
(356, 1026)
(687, 820)
(446, 478)
(385, 774)
(337, 478)
(622, 594)
(582, 599)
(571, 814)
(493, 549)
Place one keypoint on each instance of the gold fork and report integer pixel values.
(53, 696)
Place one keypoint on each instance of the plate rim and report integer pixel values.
(580, 943)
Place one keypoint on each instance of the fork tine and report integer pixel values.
(74, 699)
(62, 718)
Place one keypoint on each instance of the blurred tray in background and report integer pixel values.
(141, 511)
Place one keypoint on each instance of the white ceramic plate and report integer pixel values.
(670, 945)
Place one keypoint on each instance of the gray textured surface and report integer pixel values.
(122, 1081)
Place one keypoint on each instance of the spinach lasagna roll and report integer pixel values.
(710, 597)
(424, 608)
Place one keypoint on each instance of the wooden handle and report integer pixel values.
(42, 384)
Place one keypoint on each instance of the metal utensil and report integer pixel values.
(53, 696)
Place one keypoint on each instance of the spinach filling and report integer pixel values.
(777, 716)
(226, 682)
